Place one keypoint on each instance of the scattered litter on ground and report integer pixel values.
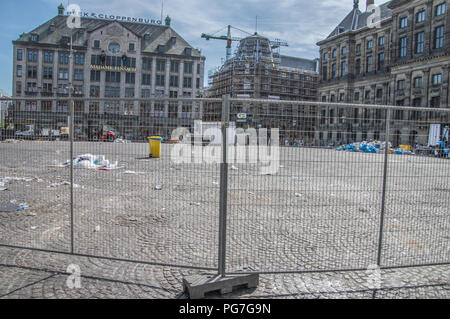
(97, 228)
(215, 183)
(54, 185)
(13, 207)
(33, 227)
(298, 195)
(89, 161)
(159, 187)
(129, 172)
(374, 147)
(195, 204)
(234, 167)
(3, 189)
(121, 140)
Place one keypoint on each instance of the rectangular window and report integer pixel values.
(130, 78)
(420, 17)
(381, 41)
(173, 81)
(18, 87)
(379, 93)
(160, 65)
(403, 22)
(439, 37)
(19, 71)
(96, 44)
(198, 68)
(48, 73)
(333, 71)
(19, 54)
(146, 79)
(129, 92)
(356, 96)
(79, 58)
(187, 82)
(78, 74)
(131, 47)
(369, 44)
(369, 63)
(334, 53)
(358, 66)
(145, 93)
(420, 40)
(146, 64)
(440, 9)
(344, 51)
(112, 91)
(32, 72)
(32, 55)
(173, 94)
(112, 77)
(95, 76)
(188, 67)
(418, 82)
(197, 85)
(437, 79)
(63, 74)
(48, 57)
(78, 89)
(380, 61)
(94, 91)
(403, 46)
(401, 84)
(174, 66)
(63, 58)
(343, 68)
(358, 48)
(160, 80)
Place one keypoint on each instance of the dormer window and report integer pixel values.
(34, 37)
(161, 48)
(52, 28)
(188, 51)
(173, 40)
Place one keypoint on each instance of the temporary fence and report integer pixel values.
(306, 186)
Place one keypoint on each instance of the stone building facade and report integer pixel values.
(118, 58)
(398, 54)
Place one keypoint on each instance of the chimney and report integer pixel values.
(369, 3)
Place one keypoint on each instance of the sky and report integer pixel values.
(302, 23)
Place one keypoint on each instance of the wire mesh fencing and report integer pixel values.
(305, 186)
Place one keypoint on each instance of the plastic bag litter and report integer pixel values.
(159, 187)
(89, 161)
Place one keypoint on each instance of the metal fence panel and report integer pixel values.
(318, 210)
(31, 183)
(417, 219)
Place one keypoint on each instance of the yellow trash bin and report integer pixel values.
(155, 146)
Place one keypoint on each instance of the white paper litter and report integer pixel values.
(89, 161)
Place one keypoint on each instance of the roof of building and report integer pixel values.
(157, 34)
(357, 19)
(298, 63)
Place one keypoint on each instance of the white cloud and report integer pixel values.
(300, 22)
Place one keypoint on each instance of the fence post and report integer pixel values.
(223, 187)
(383, 196)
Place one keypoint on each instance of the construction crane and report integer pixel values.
(275, 44)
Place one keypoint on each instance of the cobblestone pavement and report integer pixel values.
(31, 274)
(320, 211)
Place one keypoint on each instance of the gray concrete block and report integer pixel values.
(197, 286)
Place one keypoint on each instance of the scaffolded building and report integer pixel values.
(259, 71)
